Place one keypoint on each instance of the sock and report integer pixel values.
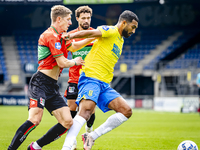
(36, 146)
(111, 123)
(73, 113)
(90, 122)
(78, 122)
(53, 134)
(21, 134)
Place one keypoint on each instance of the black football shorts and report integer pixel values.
(72, 91)
(43, 91)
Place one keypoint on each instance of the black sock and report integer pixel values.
(91, 120)
(53, 134)
(73, 113)
(21, 134)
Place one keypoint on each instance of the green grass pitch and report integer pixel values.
(145, 130)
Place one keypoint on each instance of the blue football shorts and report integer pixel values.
(98, 91)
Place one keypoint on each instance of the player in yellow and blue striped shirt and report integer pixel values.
(94, 88)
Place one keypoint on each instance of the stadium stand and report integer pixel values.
(3, 69)
(144, 49)
(190, 58)
(177, 43)
(135, 50)
(26, 42)
(136, 47)
(142, 44)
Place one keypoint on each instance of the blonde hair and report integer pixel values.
(59, 10)
(83, 9)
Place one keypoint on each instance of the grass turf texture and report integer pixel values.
(145, 130)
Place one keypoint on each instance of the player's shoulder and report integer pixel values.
(106, 27)
(49, 34)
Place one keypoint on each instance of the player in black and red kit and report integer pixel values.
(43, 89)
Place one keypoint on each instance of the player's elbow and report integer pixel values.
(61, 65)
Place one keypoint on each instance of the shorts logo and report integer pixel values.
(57, 45)
(90, 92)
(42, 101)
(71, 89)
(106, 28)
(33, 102)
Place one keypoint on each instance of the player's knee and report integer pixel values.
(72, 107)
(128, 112)
(67, 123)
(35, 121)
(86, 114)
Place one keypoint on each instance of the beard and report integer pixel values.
(85, 26)
(125, 33)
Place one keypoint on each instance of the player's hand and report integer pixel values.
(79, 61)
(66, 36)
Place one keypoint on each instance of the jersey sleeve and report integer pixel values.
(55, 47)
(106, 31)
(68, 44)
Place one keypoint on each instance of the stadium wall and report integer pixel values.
(154, 15)
(163, 104)
(13, 100)
(176, 104)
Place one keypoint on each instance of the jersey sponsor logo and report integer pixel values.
(42, 101)
(71, 89)
(106, 28)
(80, 53)
(58, 45)
(116, 50)
(33, 103)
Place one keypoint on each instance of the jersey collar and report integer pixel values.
(54, 29)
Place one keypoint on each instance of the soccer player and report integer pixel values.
(43, 88)
(93, 85)
(83, 16)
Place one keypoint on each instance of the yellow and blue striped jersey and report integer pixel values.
(106, 50)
